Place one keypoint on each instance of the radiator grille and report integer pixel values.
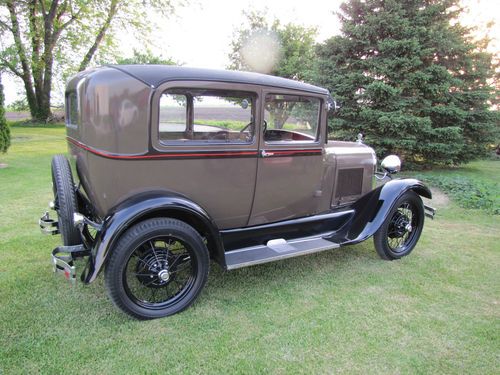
(349, 182)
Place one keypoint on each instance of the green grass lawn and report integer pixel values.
(436, 311)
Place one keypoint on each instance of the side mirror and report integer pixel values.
(332, 105)
(391, 164)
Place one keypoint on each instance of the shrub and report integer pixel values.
(20, 105)
(467, 192)
(4, 128)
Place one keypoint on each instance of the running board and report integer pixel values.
(275, 250)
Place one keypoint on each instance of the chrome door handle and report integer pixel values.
(265, 154)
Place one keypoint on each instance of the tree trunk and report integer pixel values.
(100, 36)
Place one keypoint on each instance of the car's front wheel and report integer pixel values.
(400, 232)
(157, 268)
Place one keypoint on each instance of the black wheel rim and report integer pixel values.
(403, 228)
(160, 272)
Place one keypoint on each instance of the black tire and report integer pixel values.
(159, 255)
(65, 200)
(400, 232)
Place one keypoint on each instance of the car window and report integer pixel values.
(206, 116)
(291, 118)
(72, 110)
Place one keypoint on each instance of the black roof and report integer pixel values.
(155, 75)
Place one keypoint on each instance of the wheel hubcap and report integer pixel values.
(159, 272)
(164, 275)
(152, 268)
(402, 228)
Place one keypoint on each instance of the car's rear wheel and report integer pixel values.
(400, 232)
(65, 200)
(157, 268)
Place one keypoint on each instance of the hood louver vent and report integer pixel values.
(349, 183)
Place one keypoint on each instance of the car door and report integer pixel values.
(205, 137)
(290, 162)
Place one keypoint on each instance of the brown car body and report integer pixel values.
(118, 152)
(240, 189)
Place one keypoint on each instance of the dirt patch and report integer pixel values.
(439, 199)
(3, 165)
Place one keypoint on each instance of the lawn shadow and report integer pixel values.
(247, 283)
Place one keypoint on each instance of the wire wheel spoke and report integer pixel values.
(402, 227)
(183, 267)
(158, 271)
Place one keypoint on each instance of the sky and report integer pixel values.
(200, 34)
(206, 27)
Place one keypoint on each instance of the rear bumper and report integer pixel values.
(48, 225)
(63, 257)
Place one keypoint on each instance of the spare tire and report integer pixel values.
(65, 200)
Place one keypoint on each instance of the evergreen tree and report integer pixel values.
(4, 128)
(410, 78)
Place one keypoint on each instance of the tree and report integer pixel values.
(281, 50)
(145, 57)
(39, 34)
(411, 79)
(291, 46)
(4, 128)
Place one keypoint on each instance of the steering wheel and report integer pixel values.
(246, 127)
(221, 134)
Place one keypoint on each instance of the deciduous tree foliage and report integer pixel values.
(146, 57)
(296, 46)
(293, 54)
(411, 79)
(4, 129)
(38, 35)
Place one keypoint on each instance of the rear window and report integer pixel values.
(206, 116)
(72, 109)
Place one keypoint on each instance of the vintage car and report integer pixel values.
(171, 167)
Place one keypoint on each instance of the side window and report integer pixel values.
(206, 116)
(72, 110)
(173, 116)
(291, 118)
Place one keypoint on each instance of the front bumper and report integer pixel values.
(429, 211)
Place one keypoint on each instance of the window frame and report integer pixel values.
(190, 113)
(317, 139)
(71, 98)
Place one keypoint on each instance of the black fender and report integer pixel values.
(372, 209)
(144, 206)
